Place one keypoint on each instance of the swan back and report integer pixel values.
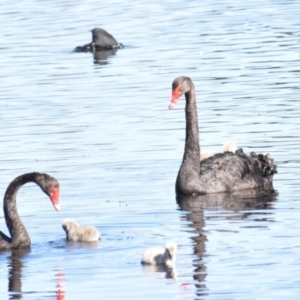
(228, 172)
(102, 38)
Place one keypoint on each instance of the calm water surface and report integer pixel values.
(101, 126)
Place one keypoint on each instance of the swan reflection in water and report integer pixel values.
(15, 266)
(160, 271)
(100, 57)
(240, 204)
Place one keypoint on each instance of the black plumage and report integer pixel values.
(19, 237)
(223, 172)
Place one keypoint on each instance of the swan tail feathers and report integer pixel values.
(267, 163)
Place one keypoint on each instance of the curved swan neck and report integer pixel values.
(192, 147)
(14, 224)
(188, 180)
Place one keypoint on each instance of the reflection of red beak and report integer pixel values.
(60, 292)
(54, 196)
(175, 97)
(185, 286)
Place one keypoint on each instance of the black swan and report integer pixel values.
(77, 233)
(223, 172)
(19, 235)
(102, 40)
(228, 146)
(160, 256)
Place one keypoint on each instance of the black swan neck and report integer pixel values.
(188, 179)
(18, 232)
(223, 172)
(192, 147)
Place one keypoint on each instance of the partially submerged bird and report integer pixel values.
(160, 256)
(206, 153)
(228, 146)
(102, 40)
(77, 233)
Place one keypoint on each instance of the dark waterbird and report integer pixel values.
(19, 236)
(223, 172)
(102, 40)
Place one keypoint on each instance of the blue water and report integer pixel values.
(103, 129)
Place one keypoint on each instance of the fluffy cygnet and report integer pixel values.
(228, 146)
(206, 154)
(160, 256)
(77, 233)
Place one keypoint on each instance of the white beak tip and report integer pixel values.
(171, 105)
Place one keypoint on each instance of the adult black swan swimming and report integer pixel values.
(19, 236)
(223, 172)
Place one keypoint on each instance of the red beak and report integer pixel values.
(176, 94)
(54, 196)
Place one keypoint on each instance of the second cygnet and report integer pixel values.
(77, 233)
(160, 256)
(228, 146)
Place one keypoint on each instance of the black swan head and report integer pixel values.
(180, 86)
(50, 187)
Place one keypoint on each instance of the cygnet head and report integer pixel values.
(206, 154)
(69, 224)
(229, 146)
(171, 249)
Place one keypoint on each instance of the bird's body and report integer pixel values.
(222, 172)
(77, 233)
